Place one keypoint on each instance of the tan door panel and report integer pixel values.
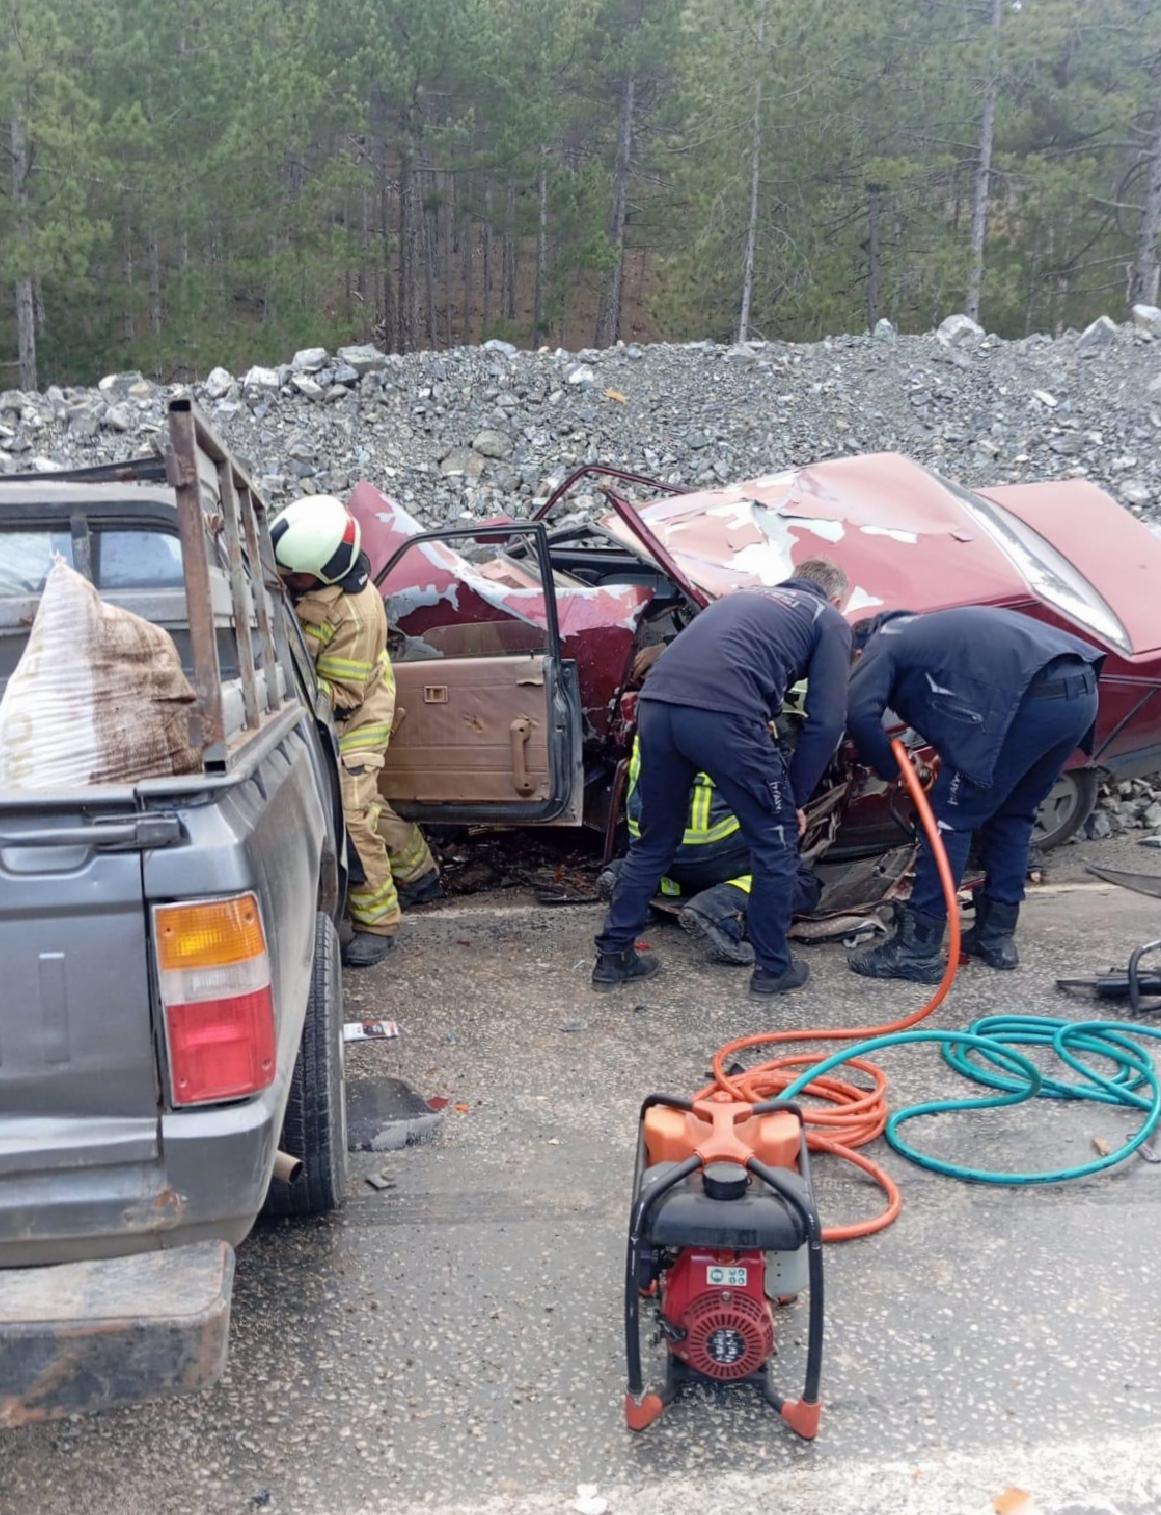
(471, 730)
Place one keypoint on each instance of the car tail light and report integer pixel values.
(214, 977)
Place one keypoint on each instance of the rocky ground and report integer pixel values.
(473, 431)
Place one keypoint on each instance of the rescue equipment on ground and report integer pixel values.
(723, 1209)
(1141, 988)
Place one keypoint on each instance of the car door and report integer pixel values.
(487, 711)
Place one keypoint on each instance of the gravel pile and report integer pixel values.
(1134, 805)
(473, 431)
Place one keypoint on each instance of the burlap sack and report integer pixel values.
(98, 697)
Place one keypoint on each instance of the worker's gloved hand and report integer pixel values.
(925, 772)
(802, 823)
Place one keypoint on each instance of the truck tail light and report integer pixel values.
(214, 977)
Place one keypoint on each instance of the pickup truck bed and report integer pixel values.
(120, 1203)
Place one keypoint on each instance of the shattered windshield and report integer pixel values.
(1057, 581)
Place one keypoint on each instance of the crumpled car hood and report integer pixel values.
(903, 538)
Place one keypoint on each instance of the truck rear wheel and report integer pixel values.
(315, 1125)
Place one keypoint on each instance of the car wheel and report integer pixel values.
(1068, 805)
(315, 1125)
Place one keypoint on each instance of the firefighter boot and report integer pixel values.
(421, 891)
(613, 969)
(763, 983)
(992, 938)
(912, 953)
(717, 918)
(366, 948)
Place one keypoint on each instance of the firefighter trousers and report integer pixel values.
(387, 849)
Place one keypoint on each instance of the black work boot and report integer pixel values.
(763, 983)
(912, 953)
(420, 891)
(613, 969)
(992, 938)
(366, 948)
(720, 935)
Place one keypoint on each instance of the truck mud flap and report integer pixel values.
(80, 1337)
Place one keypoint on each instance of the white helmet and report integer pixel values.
(316, 535)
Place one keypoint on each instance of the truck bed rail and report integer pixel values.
(215, 498)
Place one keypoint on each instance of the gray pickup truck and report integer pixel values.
(171, 1052)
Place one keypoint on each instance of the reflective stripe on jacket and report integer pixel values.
(347, 635)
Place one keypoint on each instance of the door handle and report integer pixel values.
(142, 834)
(520, 731)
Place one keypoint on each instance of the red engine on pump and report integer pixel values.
(722, 1210)
(715, 1315)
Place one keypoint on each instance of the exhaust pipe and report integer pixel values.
(287, 1168)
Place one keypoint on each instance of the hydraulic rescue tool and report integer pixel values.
(1141, 989)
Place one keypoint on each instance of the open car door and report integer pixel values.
(487, 714)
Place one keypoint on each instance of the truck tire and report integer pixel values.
(1067, 807)
(315, 1125)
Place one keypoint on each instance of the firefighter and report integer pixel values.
(1005, 700)
(317, 547)
(707, 707)
(710, 871)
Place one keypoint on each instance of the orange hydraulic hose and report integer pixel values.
(849, 1116)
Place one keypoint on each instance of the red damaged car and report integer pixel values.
(514, 641)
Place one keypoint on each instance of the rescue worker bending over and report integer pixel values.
(317, 547)
(710, 871)
(707, 707)
(1005, 700)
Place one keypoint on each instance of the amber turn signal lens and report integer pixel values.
(211, 934)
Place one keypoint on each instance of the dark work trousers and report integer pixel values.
(678, 742)
(1049, 725)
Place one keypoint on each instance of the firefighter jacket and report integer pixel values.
(347, 634)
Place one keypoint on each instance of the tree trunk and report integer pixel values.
(874, 256)
(408, 254)
(984, 168)
(755, 176)
(365, 277)
(469, 286)
(509, 270)
(1143, 284)
(541, 247)
(609, 319)
(25, 334)
(486, 313)
(430, 238)
(25, 297)
(387, 283)
(153, 256)
(128, 315)
(449, 201)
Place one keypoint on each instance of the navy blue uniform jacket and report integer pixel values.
(956, 677)
(743, 652)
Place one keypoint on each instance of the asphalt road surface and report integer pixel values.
(452, 1342)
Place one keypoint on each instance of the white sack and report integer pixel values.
(98, 697)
